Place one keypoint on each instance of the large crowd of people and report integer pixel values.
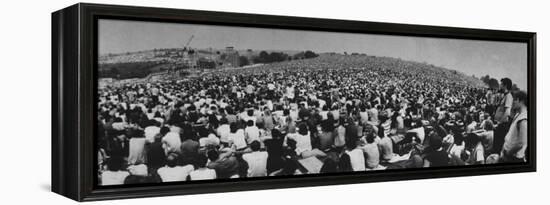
(329, 114)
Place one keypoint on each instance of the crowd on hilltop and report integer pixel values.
(322, 115)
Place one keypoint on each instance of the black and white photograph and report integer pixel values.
(182, 102)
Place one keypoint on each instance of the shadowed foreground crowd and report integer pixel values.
(294, 119)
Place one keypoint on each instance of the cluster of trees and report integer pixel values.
(494, 83)
(491, 82)
(305, 55)
(243, 61)
(273, 57)
(130, 70)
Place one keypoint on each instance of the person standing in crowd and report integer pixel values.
(515, 142)
(502, 114)
(505, 107)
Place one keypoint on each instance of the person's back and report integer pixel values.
(238, 139)
(189, 150)
(223, 132)
(150, 132)
(477, 155)
(352, 132)
(438, 158)
(210, 140)
(176, 173)
(364, 117)
(156, 155)
(113, 177)
(231, 118)
(252, 132)
(268, 122)
(386, 148)
(303, 142)
(171, 172)
(136, 150)
(257, 161)
(386, 126)
(357, 159)
(373, 114)
(340, 136)
(202, 172)
(326, 140)
(335, 114)
(227, 167)
(373, 155)
(115, 174)
(400, 122)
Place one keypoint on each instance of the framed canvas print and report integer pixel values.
(156, 101)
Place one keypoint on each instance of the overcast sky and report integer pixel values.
(497, 59)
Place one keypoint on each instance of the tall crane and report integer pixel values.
(188, 42)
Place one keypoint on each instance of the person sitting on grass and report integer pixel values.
(225, 164)
(372, 152)
(236, 138)
(115, 173)
(436, 156)
(202, 172)
(173, 173)
(257, 160)
(303, 143)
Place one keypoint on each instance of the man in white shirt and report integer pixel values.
(114, 174)
(515, 141)
(504, 109)
(257, 161)
(202, 172)
(173, 173)
(223, 130)
(357, 159)
(236, 137)
(252, 133)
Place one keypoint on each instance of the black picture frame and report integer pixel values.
(74, 82)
